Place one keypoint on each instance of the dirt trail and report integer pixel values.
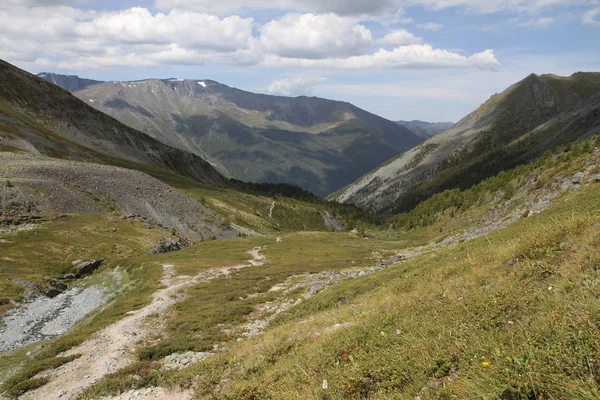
(112, 348)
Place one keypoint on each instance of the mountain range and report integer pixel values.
(320, 145)
(113, 281)
(532, 116)
(39, 118)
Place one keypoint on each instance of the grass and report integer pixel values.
(141, 280)
(513, 315)
(213, 312)
(444, 208)
(25, 379)
(47, 251)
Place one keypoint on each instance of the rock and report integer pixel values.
(52, 293)
(596, 178)
(167, 245)
(577, 178)
(87, 267)
(180, 361)
(69, 276)
(56, 284)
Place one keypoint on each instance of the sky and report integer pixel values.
(433, 60)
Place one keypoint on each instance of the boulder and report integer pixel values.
(87, 267)
(58, 285)
(56, 288)
(167, 245)
(52, 292)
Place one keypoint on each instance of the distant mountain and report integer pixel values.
(424, 129)
(40, 118)
(70, 83)
(536, 114)
(318, 144)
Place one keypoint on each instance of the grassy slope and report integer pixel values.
(510, 315)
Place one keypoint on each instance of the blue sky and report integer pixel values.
(435, 60)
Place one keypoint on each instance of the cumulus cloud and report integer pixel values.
(71, 38)
(294, 86)
(139, 26)
(315, 36)
(399, 37)
(592, 17)
(404, 57)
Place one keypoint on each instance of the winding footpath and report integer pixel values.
(112, 348)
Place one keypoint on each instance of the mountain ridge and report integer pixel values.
(511, 128)
(39, 118)
(316, 143)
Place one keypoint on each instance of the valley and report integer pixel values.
(131, 268)
(317, 144)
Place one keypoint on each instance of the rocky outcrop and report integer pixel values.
(84, 268)
(56, 287)
(167, 245)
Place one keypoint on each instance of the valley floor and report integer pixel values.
(497, 301)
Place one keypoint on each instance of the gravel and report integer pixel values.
(70, 187)
(44, 317)
(183, 360)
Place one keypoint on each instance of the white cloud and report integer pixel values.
(68, 37)
(431, 26)
(590, 17)
(399, 37)
(362, 7)
(315, 36)
(542, 22)
(196, 30)
(404, 57)
(294, 86)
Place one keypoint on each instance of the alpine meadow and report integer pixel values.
(268, 201)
